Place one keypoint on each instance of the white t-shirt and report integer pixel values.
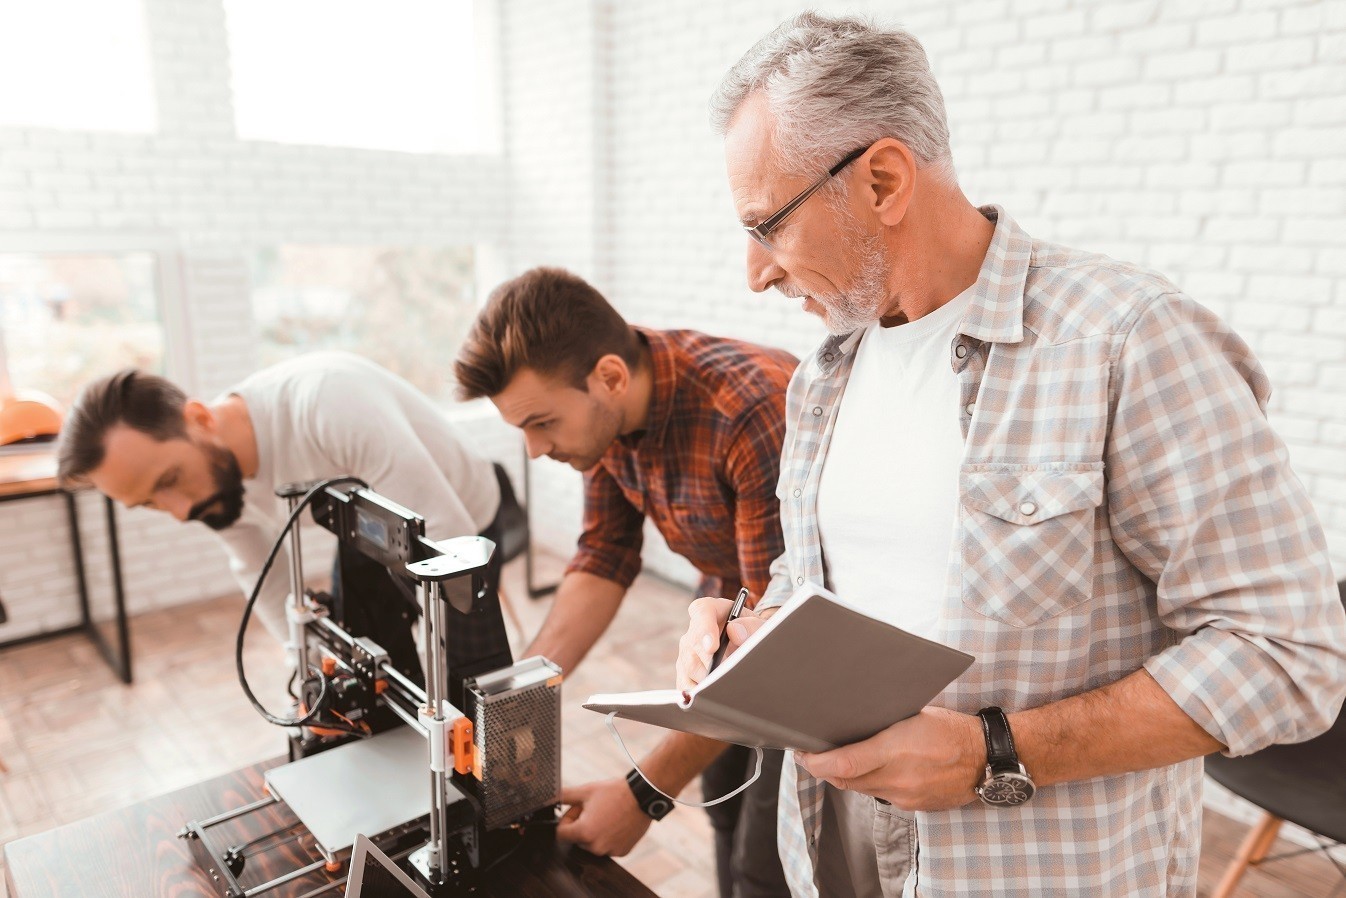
(330, 413)
(888, 495)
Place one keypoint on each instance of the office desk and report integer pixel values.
(30, 474)
(136, 852)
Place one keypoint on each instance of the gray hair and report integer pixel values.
(835, 84)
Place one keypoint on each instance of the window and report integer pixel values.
(76, 64)
(407, 309)
(407, 75)
(68, 318)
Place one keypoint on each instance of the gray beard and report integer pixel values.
(863, 303)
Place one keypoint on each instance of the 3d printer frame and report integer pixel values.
(353, 679)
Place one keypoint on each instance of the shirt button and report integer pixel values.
(799, 581)
(798, 493)
(827, 357)
(968, 408)
(1028, 508)
(817, 411)
(960, 350)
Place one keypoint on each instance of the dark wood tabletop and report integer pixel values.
(136, 853)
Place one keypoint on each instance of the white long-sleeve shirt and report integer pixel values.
(327, 414)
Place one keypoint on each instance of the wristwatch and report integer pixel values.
(1007, 783)
(655, 805)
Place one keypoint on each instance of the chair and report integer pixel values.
(1304, 783)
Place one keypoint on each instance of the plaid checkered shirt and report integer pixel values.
(1124, 505)
(703, 470)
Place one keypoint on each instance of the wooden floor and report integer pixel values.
(77, 742)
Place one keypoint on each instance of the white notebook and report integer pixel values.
(819, 674)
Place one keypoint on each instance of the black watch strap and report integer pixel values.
(655, 805)
(1000, 753)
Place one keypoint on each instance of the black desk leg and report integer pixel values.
(119, 594)
(77, 550)
(119, 661)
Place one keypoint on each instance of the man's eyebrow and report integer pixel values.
(531, 418)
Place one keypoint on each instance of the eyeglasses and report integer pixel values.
(762, 232)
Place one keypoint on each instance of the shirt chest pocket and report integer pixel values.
(1026, 539)
(696, 524)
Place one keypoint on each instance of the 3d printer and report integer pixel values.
(373, 720)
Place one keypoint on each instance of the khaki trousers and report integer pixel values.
(865, 849)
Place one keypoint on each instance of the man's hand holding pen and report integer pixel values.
(708, 622)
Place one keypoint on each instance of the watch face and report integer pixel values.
(1006, 790)
(659, 808)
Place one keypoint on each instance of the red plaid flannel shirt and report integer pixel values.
(704, 469)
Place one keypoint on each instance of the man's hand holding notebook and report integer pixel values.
(817, 674)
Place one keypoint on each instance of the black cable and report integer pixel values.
(303, 503)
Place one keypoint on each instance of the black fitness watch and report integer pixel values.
(655, 805)
(1007, 784)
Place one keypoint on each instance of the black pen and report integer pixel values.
(734, 612)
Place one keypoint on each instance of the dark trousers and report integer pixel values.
(746, 860)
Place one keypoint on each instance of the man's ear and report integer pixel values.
(888, 172)
(610, 376)
(198, 416)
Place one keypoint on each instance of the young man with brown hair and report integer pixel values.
(675, 426)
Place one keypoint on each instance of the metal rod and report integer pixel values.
(333, 630)
(429, 602)
(416, 701)
(238, 812)
(440, 678)
(408, 717)
(281, 880)
(395, 675)
(289, 836)
(337, 883)
(334, 884)
(296, 634)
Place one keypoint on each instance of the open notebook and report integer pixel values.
(819, 674)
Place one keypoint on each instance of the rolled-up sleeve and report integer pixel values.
(609, 546)
(1202, 500)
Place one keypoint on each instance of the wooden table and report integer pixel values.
(137, 852)
(30, 474)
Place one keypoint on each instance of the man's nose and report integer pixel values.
(762, 268)
(179, 507)
(536, 446)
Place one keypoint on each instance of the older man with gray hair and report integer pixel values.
(1052, 460)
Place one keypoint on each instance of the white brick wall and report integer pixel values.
(1203, 139)
(192, 186)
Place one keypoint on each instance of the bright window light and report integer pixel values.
(75, 64)
(68, 318)
(394, 75)
(407, 308)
